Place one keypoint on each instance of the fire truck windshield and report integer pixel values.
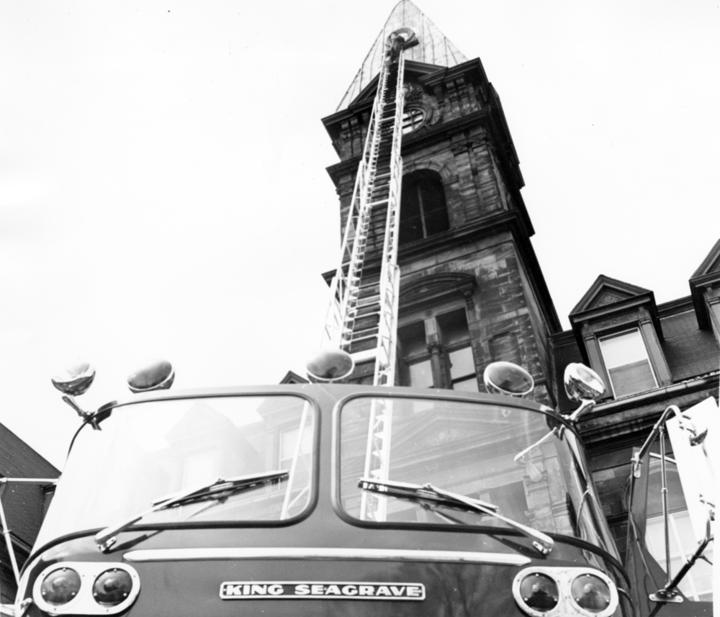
(391, 446)
(148, 450)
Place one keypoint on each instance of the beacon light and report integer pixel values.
(158, 375)
(508, 379)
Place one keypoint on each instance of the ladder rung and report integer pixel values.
(365, 310)
(368, 301)
(364, 335)
(364, 355)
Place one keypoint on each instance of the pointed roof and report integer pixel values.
(433, 48)
(607, 297)
(711, 263)
(605, 291)
(707, 275)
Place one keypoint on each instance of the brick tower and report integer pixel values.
(471, 289)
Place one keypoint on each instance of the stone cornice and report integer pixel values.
(625, 418)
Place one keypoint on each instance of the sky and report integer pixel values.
(163, 191)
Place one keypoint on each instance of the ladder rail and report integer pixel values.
(377, 193)
(390, 274)
(359, 251)
(357, 210)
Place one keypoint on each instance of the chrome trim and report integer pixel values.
(84, 603)
(564, 577)
(375, 554)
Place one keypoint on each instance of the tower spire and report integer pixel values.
(433, 48)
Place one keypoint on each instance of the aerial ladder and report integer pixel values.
(362, 315)
(361, 322)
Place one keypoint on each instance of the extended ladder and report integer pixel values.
(362, 318)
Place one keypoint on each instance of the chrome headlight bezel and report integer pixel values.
(564, 577)
(84, 603)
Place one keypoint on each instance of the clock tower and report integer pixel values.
(471, 289)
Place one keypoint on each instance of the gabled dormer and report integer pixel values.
(705, 290)
(618, 330)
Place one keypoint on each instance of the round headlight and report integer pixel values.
(112, 587)
(60, 586)
(539, 591)
(591, 593)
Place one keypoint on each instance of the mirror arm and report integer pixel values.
(669, 593)
(585, 406)
(520, 456)
(85, 415)
(636, 460)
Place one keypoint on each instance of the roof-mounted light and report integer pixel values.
(330, 364)
(507, 378)
(158, 375)
(74, 380)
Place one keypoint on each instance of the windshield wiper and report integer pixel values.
(219, 490)
(429, 493)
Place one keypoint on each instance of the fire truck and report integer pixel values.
(329, 498)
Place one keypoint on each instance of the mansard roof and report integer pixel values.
(433, 48)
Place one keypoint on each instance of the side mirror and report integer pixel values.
(330, 365)
(582, 383)
(157, 375)
(75, 380)
(508, 379)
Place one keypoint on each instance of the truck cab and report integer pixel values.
(314, 499)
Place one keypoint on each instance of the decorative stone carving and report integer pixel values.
(417, 98)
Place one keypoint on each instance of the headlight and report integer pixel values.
(542, 591)
(112, 587)
(60, 586)
(591, 593)
(539, 591)
(86, 588)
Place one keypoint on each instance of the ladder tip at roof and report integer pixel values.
(434, 47)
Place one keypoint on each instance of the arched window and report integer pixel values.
(423, 211)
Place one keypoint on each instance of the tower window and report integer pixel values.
(423, 211)
(413, 118)
(436, 352)
(627, 363)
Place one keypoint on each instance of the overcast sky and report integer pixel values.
(162, 171)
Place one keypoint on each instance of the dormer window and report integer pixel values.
(627, 363)
(619, 331)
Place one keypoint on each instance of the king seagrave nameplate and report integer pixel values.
(318, 590)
